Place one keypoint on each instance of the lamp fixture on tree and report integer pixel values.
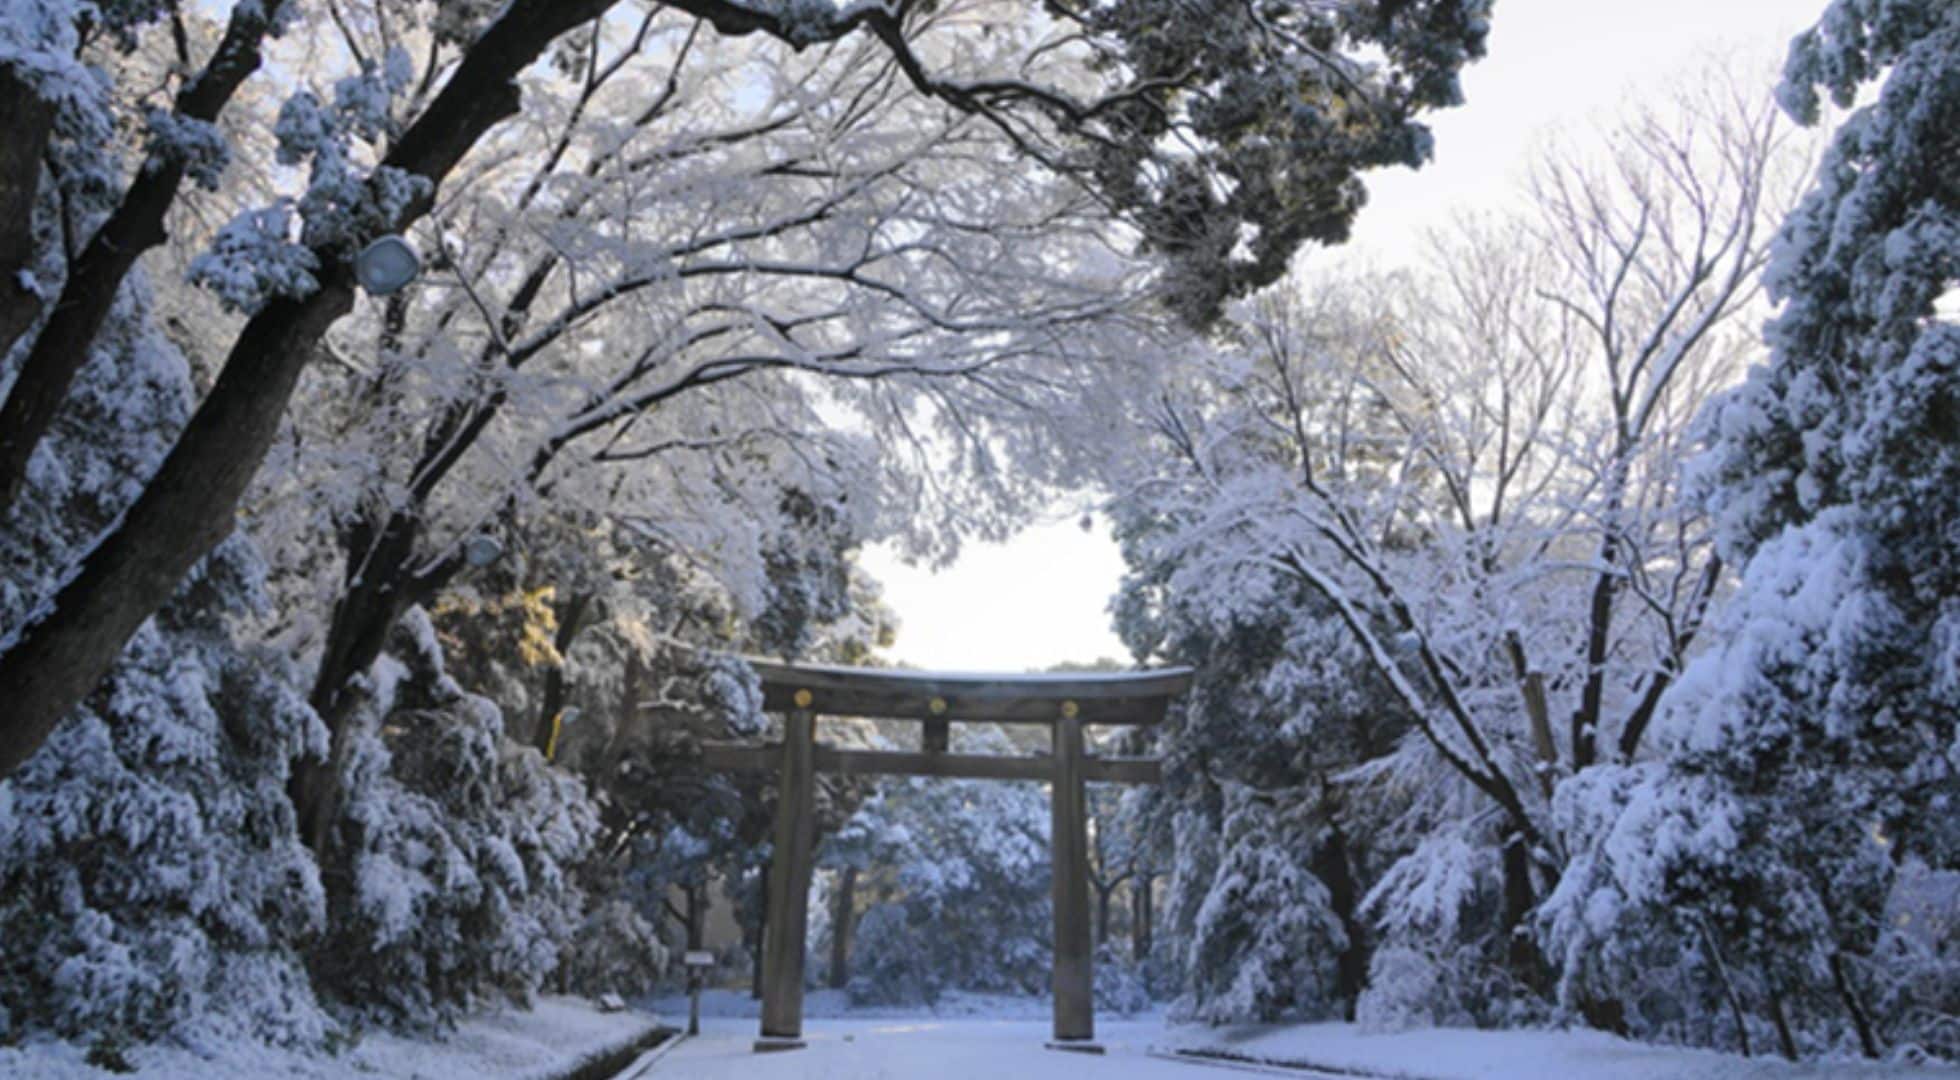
(481, 550)
(387, 265)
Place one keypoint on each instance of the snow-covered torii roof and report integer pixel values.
(1126, 697)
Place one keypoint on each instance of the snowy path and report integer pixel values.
(924, 1049)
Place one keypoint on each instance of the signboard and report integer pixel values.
(698, 958)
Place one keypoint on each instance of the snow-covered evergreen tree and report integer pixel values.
(1268, 943)
(1813, 753)
(1282, 708)
(960, 890)
(151, 883)
(457, 848)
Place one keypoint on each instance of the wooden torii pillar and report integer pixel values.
(1066, 703)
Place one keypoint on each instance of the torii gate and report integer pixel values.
(1063, 702)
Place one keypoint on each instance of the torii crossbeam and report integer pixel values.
(1063, 702)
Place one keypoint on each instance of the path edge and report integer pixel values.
(609, 1061)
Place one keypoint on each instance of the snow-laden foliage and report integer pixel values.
(1122, 987)
(1814, 752)
(1463, 480)
(457, 848)
(253, 259)
(958, 888)
(1258, 834)
(1841, 452)
(1267, 940)
(40, 46)
(616, 950)
(151, 882)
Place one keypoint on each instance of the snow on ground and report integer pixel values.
(544, 1041)
(921, 1048)
(1453, 1054)
(970, 1036)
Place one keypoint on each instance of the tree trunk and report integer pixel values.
(1782, 1022)
(375, 596)
(96, 275)
(1331, 866)
(1140, 903)
(189, 505)
(1519, 898)
(1103, 894)
(31, 119)
(697, 906)
(1867, 1038)
(1728, 987)
(842, 919)
(1599, 625)
(570, 622)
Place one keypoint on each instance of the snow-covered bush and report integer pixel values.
(1651, 971)
(1121, 988)
(1442, 954)
(1408, 988)
(1267, 941)
(614, 950)
(451, 877)
(961, 868)
(151, 879)
(893, 961)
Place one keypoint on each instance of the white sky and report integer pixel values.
(1041, 598)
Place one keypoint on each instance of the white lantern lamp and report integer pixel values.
(387, 265)
(481, 550)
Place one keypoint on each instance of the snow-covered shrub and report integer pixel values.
(151, 879)
(1406, 989)
(892, 963)
(1267, 941)
(1442, 958)
(963, 869)
(451, 878)
(1643, 968)
(1120, 985)
(614, 950)
(1915, 968)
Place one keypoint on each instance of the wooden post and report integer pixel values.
(937, 735)
(789, 887)
(1074, 985)
(841, 918)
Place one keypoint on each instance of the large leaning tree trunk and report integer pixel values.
(187, 507)
(134, 227)
(20, 181)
